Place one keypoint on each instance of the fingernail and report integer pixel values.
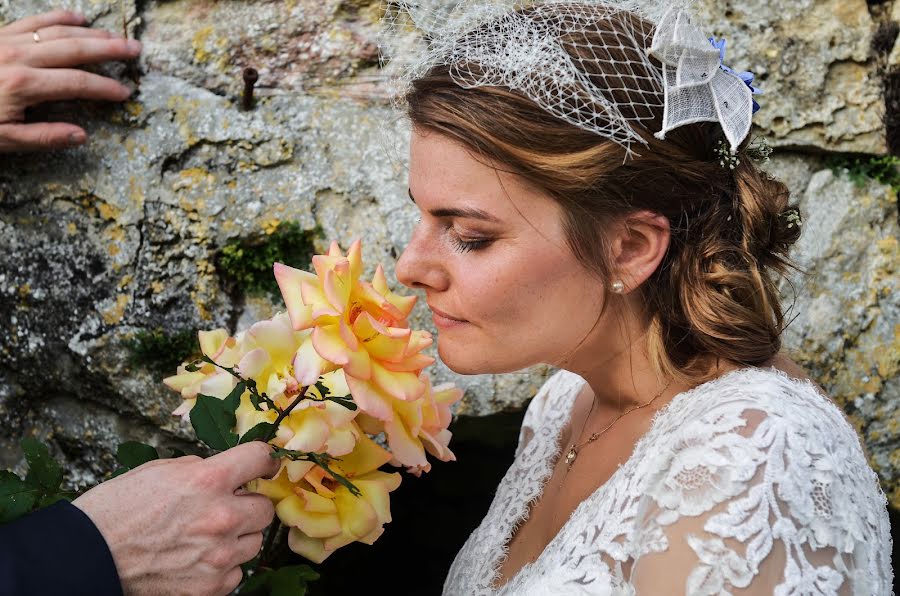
(77, 138)
(134, 46)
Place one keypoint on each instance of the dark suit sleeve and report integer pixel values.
(56, 551)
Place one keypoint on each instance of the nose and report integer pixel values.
(420, 266)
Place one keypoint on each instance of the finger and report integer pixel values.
(65, 84)
(40, 136)
(73, 52)
(231, 581)
(59, 32)
(255, 512)
(249, 546)
(47, 19)
(239, 465)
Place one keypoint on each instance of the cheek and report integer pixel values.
(544, 299)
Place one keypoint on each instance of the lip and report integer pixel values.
(442, 319)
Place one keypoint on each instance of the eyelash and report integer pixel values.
(468, 245)
(461, 245)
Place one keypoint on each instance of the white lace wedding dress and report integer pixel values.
(753, 483)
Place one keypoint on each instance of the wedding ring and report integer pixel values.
(36, 37)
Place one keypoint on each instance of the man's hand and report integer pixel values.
(38, 60)
(184, 526)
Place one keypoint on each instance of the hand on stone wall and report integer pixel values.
(39, 56)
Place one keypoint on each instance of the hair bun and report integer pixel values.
(788, 228)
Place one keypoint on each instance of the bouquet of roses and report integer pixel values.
(322, 383)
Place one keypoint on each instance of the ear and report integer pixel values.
(640, 243)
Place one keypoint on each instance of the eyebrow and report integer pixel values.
(465, 212)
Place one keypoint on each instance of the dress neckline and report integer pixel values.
(572, 397)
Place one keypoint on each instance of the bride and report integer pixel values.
(588, 199)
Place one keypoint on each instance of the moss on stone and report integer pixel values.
(861, 169)
(160, 350)
(247, 262)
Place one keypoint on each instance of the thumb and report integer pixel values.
(40, 136)
(249, 461)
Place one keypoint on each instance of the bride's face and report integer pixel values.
(505, 290)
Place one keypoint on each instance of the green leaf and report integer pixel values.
(234, 398)
(291, 581)
(192, 367)
(344, 401)
(16, 497)
(256, 584)
(260, 431)
(213, 420)
(323, 390)
(307, 573)
(132, 454)
(55, 497)
(119, 471)
(44, 473)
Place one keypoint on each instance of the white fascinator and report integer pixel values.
(549, 51)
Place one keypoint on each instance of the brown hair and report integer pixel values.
(713, 295)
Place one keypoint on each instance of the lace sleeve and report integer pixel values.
(753, 503)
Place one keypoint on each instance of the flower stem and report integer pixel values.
(283, 414)
(266, 552)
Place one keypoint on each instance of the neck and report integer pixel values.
(614, 360)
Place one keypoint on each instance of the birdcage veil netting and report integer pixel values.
(648, 67)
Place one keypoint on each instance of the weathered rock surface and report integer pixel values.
(123, 235)
(813, 61)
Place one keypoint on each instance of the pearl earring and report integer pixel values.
(618, 287)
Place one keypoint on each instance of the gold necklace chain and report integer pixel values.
(574, 449)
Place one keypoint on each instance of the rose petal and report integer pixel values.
(185, 408)
(291, 512)
(312, 549)
(308, 364)
(290, 281)
(275, 338)
(354, 256)
(375, 487)
(314, 502)
(402, 385)
(406, 448)
(310, 432)
(358, 517)
(254, 363)
(297, 470)
(371, 399)
(218, 385)
(212, 342)
(414, 364)
(367, 457)
(418, 341)
(330, 345)
(340, 442)
(337, 285)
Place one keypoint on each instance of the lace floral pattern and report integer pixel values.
(755, 478)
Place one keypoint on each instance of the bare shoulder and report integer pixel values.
(783, 363)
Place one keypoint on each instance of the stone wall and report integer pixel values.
(102, 245)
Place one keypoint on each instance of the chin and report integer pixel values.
(470, 361)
